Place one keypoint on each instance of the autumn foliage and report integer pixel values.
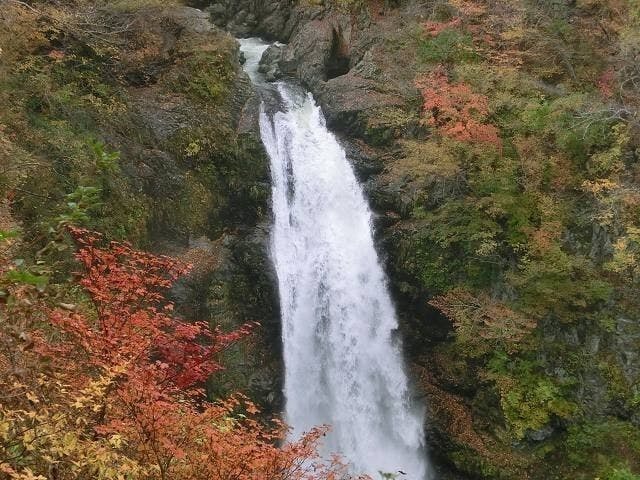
(482, 323)
(433, 29)
(455, 110)
(113, 389)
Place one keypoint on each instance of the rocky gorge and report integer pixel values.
(356, 63)
(512, 269)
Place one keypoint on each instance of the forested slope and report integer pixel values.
(499, 143)
(497, 140)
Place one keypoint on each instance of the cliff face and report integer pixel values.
(507, 240)
(134, 120)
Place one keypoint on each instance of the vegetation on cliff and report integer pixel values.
(110, 387)
(530, 246)
(124, 117)
(505, 139)
(499, 141)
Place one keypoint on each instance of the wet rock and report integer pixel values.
(348, 101)
(274, 19)
(308, 53)
(540, 434)
(217, 13)
(164, 116)
(601, 243)
(158, 173)
(365, 162)
(593, 344)
(270, 62)
(627, 347)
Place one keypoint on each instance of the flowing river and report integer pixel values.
(343, 361)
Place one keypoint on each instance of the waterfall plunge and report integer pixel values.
(343, 364)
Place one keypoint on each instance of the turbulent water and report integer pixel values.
(343, 364)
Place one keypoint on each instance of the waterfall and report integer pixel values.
(343, 360)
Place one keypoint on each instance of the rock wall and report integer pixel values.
(166, 104)
(145, 128)
(331, 51)
(361, 65)
(235, 285)
(271, 19)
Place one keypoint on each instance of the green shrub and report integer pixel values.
(608, 449)
(621, 474)
(205, 76)
(448, 248)
(449, 46)
(529, 399)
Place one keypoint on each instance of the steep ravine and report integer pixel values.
(351, 103)
(343, 363)
(157, 145)
(526, 237)
(361, 65)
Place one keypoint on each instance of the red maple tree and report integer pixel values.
(455, 110)
(116, 388)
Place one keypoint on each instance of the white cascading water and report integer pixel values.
(343, 364)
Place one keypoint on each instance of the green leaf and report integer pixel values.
(27, 278)
(7, 234)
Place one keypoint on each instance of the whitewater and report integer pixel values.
(342, 355)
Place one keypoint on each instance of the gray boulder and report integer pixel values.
(270, 62)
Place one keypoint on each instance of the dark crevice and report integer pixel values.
(339, 60)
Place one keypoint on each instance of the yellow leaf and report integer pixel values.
(69, 442)
(115, 441)
(32, 398)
